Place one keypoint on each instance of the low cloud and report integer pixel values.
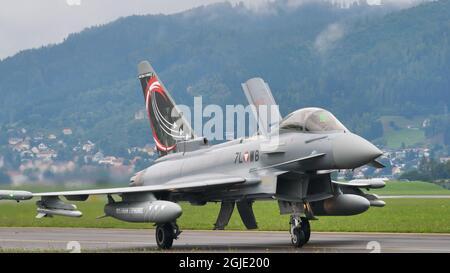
(30, 23)
(328, 37)
(272, 6)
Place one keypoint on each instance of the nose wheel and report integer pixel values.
(165, 234)
(300, 230)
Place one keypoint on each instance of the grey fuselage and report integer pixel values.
(259, 156)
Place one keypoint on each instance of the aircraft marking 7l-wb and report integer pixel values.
(292, 167)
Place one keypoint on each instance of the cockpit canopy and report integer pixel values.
(312, 120)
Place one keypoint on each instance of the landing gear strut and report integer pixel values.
(165, 234)
(306, 227)
(300, 230)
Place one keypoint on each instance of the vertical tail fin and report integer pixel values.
(167, 123)
(258, 94)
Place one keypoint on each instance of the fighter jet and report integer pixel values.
(292, 167)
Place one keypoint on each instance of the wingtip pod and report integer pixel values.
(15, 195)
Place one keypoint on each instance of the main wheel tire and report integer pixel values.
(298, 237)
(306, 227)
(164, 236)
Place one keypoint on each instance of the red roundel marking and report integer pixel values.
(246, 157)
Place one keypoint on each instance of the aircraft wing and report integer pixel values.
(189, 183)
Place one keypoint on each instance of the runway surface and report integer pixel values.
(130, 240)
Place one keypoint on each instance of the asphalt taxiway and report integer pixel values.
(131, 240)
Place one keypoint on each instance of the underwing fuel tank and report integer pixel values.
(144, 212)
(341, 205)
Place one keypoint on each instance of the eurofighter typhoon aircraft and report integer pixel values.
(294, 170)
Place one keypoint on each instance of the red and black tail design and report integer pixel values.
(168, 126)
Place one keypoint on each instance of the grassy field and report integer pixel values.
(409, 137)
(399, 215)
(408, 131)
(411, 188)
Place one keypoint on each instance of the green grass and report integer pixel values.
(411, 188)
(401, 121)
(409, 137)
(399, 215)
(404, 134)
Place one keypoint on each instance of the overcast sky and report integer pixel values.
(32, 23)
(28, 24)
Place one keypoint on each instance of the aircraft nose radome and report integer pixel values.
(351, 151)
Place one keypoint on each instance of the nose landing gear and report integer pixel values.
(300, 230)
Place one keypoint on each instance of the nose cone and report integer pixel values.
(351, 151)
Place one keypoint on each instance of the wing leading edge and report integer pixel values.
(190, 183)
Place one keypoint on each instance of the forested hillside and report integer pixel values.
(362, 63)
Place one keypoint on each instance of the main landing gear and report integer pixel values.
(165, 234)
(300, 230)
